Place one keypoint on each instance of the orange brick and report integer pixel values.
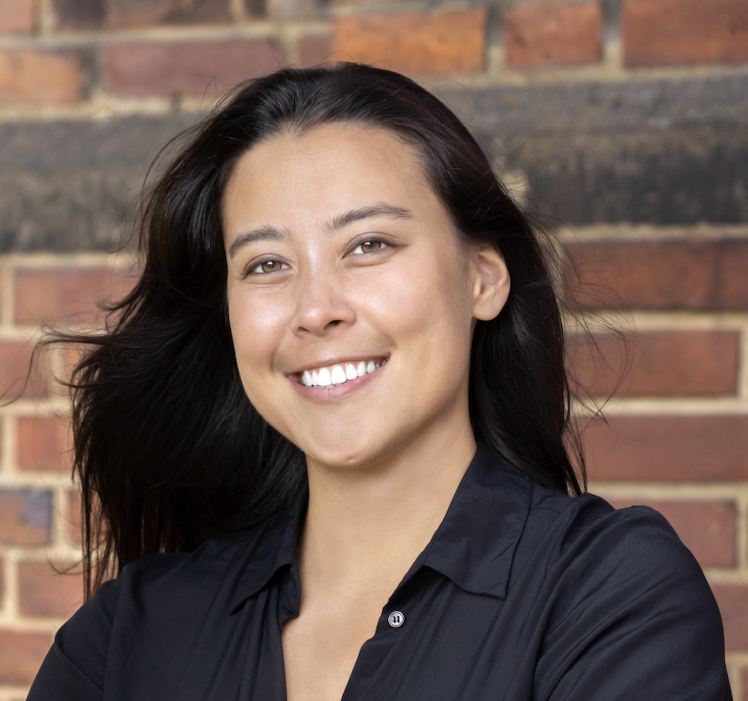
(695, 274)
(549, 35)
(67, 295)
(15, 370)
(203, 68)
(43, 443)
(314, 49)
(77, 14)
(668, 448)
(707, 528)
(669, 32)
(39, 77)
(25, 516)
(16, 16)
(144, 13)
(21, 655)
(733, 603)
(447, 42)
(657, 363)
(47, 591)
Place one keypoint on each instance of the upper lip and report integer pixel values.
(342, 360)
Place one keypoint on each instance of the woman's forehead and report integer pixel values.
(330, 168)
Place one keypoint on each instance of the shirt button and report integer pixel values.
(396, 619)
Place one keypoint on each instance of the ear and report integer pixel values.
(491, 283)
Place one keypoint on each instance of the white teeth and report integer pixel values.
(337, 375)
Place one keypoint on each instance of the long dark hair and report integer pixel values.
(168, 449)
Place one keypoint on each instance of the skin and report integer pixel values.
(385, 453)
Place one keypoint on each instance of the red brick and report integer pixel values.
(39, 77)
(203, 68)
(668, 448)
(49, 590)
(657, 363)
(668, 32)
(25, 516)
(733, 603)
(21, 655)
(681, 274)
(314, 49)
(67, 295)
(15, 369)
(707, 528)
(144, 13)
(16, 16)
(550, 35)
(43, 443)
(447, 42)
(77, 14)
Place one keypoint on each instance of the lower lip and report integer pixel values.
(322, 394)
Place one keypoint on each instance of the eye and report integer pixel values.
(368, 247)
(267, 266)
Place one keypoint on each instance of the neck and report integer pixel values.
(367, 525)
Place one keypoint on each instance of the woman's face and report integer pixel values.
(351, 301)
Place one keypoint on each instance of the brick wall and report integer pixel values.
(624, 120)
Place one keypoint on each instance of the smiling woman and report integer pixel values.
(325, 445)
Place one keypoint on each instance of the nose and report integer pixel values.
(321, 305)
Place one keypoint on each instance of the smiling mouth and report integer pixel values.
(338, 374)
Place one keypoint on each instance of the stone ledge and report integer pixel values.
(660, 152)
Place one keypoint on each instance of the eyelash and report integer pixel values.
(255, 269)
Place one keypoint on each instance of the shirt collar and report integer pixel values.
(474, 545)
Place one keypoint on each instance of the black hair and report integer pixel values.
(168, 448)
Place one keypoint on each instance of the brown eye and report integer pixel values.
(368, 247)
(268, 266)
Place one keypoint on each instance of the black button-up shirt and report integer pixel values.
(523, 593)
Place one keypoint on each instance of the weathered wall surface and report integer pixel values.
(624, 121)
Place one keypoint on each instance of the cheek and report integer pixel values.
(427, 305)
(257, 323)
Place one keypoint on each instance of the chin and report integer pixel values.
(345, 450)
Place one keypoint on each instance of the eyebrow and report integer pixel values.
(271, 233)
(264, 233)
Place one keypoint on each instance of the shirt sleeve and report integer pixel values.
(634, 619)
(74, 668)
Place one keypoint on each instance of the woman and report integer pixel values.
(324, 442)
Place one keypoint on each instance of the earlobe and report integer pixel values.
(491, 282)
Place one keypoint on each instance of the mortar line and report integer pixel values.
(236, 11)
(9, 444)
(743, 363)
(741, 540)
(624, 233)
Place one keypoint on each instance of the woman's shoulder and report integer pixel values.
(615, 564)
(586, 532)
(617, 588)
